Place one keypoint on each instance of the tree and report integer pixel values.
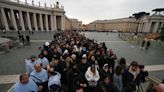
(158, 10)
(140, 14)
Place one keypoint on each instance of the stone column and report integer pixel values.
(21, 20)
(4, 19)
(41, 21)
(162, 25)
(52, 23)
(29, 21)
(155, 29)
(35, 22)
(148, 27)
(139, 27)
(55, 28)
(46, 20)
(13, 20)
(62, 23)
(144, 27)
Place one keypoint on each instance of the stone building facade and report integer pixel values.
(76, 24)
(23, 16)
(123, 24)
(152, 24)
(68, 25)
(148, 24)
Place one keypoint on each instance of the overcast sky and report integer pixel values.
(90, 10)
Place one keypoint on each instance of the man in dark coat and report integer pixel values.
(147, 45)
(28, 39)
(132, 75)
(23, 40)
(105, 85)
(143, 43)
(83, 65)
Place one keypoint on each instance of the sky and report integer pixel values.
(91, 10)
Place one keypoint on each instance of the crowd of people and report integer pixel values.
(147, 42)
(74, 63)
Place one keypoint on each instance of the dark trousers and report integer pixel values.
(91, 89)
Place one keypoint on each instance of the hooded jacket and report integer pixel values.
(91, 78)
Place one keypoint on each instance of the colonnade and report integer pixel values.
(37, 20)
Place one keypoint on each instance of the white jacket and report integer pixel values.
(55, 79)
(89, 75)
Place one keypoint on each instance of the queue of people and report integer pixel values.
(74, 63)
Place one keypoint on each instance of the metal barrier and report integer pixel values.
(140, 88)
(153, 81)
(10, 90)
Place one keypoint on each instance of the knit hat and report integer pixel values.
(47, 44)
(105, 65)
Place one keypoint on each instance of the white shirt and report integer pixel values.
(44, 61)
(30, 65)
(41, 76)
